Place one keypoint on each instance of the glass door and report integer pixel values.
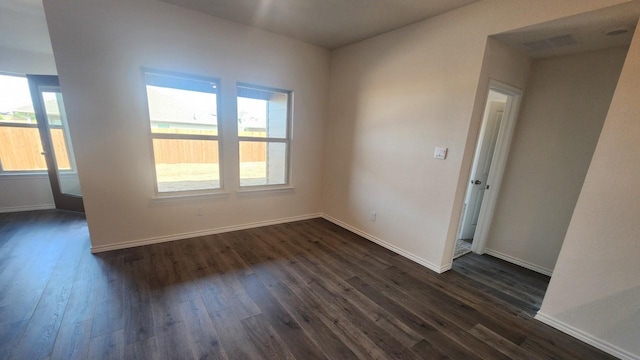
(56, 142)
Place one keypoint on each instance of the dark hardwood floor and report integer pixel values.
(304, 290)
(510, 283)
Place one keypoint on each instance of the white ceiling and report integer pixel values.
(23, 26)
(587, 29)
(327, 23)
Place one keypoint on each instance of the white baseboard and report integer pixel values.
(513, 260)
(429, 265)
(192, 234)
(586, 337)
(27, 208)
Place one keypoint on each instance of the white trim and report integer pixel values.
(6, 175)
(248, 190)
(513, 260)
(586, 337)
(499, 162)
(27, 208)
(429, 265)
(175, 196)
(192, 234)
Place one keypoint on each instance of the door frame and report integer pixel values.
(498, 163)
(61, 200)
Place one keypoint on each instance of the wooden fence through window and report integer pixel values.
(20, 149)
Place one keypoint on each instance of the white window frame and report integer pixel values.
(218, 138)
(286, 140)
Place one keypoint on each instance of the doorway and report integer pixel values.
(53, 127)
(489, 161)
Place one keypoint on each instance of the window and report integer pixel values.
(264, 135)
(183, 115)
(20, 144)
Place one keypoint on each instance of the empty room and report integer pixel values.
(279, 179)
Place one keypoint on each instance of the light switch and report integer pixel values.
(440, 153)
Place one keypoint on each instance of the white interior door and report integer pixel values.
(481, 168)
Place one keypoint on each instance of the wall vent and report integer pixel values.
(549, 43)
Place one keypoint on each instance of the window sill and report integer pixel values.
(162, 198)
(265, 189)
(23, 175)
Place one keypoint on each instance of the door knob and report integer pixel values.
(43, 153)
(477, 182)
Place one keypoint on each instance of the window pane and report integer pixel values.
(180, 111)
(61, 143)
(15, 101)
(262, 163)
(20, 149)
(52, 105)
(262, 113)
(183, 165)
(252, 117)
(184, 105)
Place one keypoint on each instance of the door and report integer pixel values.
(56, 142)
(481, 168)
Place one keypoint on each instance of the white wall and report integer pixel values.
(25, 192)
(393, 99)
(508, 66)
(595, 288)
(25, 50)
(100, 47)
(563, 109)
(18, 61)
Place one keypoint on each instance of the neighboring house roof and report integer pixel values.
(50, 105)
(181, 106)
(186, 107)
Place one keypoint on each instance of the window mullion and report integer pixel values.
(10, 124)
(183, 136)
(262, 139)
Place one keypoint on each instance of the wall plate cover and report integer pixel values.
(440, 153)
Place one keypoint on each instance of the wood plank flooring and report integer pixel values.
(304, 290)
(508, 282)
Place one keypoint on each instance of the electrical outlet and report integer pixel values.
(373, 216)
(199, 211)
